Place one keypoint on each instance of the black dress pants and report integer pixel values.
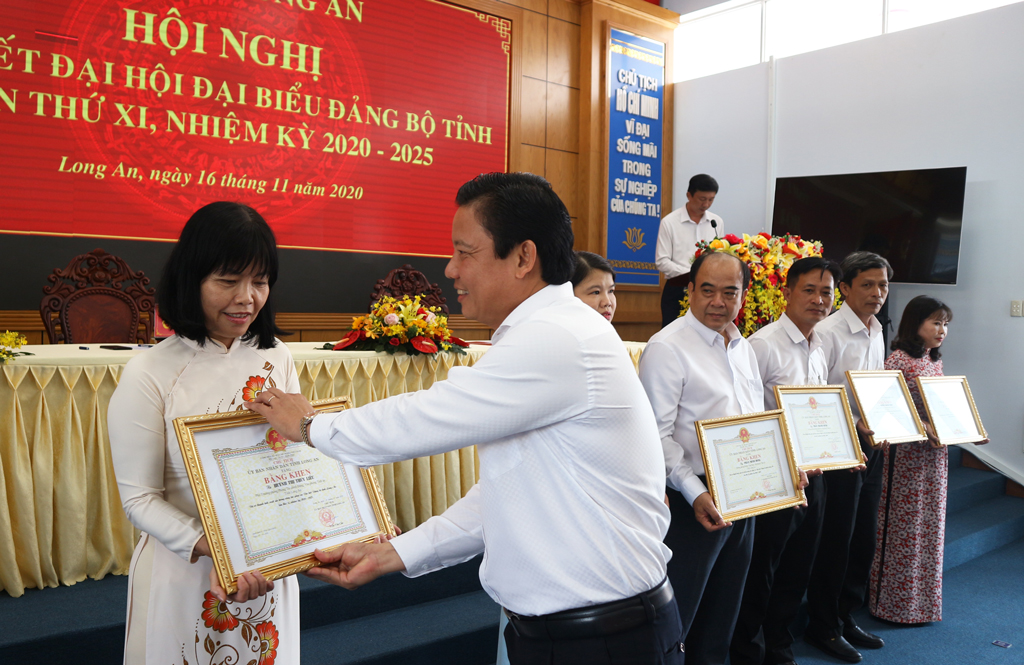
(670, 297)
(839, 580)
(707, 571)
(655, 643)
(784, 545)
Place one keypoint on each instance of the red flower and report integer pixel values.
(786, 249)
(774, 279)
(697, 254)
(348, 340)
(216, 614)
(253, 387)
(268, 642)
(767, 236)
(394, 341)
(460, 342)
(424, 345)
(733, 239)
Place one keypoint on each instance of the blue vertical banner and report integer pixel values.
(636, 77)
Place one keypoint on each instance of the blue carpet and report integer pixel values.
(982, 602)
(82, 623)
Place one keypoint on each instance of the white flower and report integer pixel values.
(391, 319)
(430, 317)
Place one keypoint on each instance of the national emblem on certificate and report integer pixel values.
(266, 503)
(749, 464)
(820, 426)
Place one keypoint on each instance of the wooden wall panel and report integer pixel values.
(534, 113)
(564, 50)
(565, 10)
(563, 118)
(561, 170)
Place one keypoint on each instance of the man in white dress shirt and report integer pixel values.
(788, 354)
(851, 340)
(699, 367)
(678, 235)
(569, 510)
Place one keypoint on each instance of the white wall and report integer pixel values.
(947, 94)
(721, 128)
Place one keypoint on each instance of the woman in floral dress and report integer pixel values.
(906, 575)
(215, 295)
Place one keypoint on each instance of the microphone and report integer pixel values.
(714, 225)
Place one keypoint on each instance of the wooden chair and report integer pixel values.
(407, 281)
(97, 298)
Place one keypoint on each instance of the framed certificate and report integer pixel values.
(749, 464)
(820, 426)
(885, 406)
(951, 409)
(266, 503)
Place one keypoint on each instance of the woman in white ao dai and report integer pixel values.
(214, 294)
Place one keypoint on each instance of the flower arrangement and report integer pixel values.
(401, 324)
(9, 341)
(769, 258)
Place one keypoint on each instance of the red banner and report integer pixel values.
(348, 124)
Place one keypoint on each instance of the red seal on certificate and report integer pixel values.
(813, 402)
(275, 441)
(326, 517)
(744, 435)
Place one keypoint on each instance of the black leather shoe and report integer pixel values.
(862, 638)
(837, 647)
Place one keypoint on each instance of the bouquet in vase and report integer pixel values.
(401, 324)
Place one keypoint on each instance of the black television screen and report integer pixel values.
(912, 218)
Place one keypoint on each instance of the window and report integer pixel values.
(740, 33)
(718, 43)
(798, 26)
(905, 14)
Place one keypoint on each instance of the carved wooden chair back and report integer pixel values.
(407, 281)
(97, 298)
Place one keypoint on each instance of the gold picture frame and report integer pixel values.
(886, 407)
(740, 488)
(950, 406)
(841, 449)
(240, 470)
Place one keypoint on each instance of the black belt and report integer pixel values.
(594, 620)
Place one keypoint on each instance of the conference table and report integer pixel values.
(60, 513)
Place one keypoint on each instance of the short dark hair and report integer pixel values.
(699, 261)
(810, 264)
(858, 262)
(702, 182)
(588, 262)
(219, 237)
(516, 207)
(917, 311)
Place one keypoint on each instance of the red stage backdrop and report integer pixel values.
(348, 124)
